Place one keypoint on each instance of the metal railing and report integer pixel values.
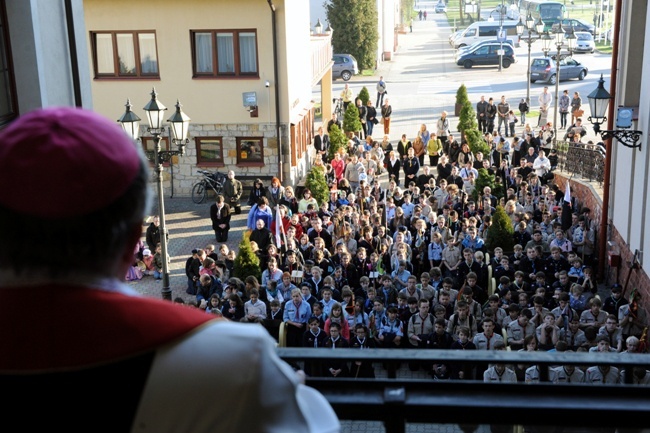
(584, 160)
(396, 402)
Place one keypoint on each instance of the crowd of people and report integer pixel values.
(397, 258)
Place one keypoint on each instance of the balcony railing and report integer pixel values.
(321, 56)
(584, 160)
(396, 402)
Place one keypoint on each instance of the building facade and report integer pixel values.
(242, 70)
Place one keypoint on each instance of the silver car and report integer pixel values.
(345, 66)
(584, 43)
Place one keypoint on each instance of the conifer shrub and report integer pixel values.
(246, 262)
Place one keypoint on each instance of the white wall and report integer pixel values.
(630, 181)
(41, 55)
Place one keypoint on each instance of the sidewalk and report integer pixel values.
(189, 226)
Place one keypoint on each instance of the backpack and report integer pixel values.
(417, 314)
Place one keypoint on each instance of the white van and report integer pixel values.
(485, 30)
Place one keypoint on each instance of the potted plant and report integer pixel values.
(500, 233)
(246, 262)
(317, 184)
(461, 97)
(337, 141)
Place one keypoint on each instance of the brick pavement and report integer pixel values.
(189, 227)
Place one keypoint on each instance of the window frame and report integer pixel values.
(164, 145)
(116, 75)
(215, 74)
(8, 70)
(243, 162)
(199, 161)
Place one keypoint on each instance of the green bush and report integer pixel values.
(477, 143)
(246, 262)
(351, 122)
(337, 141)
(467, 119)
(500, 233)
(484, 179)
(364, 95)
(461, 95)
(317, 184)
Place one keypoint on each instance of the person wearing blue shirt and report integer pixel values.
(296, 314)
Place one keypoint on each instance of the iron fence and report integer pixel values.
(584, 160)
(543, 406)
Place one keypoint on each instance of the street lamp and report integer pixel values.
(535, 30)
(559, 40)
(598, 102)
(179, 122)
(318, 28)
(501, 36)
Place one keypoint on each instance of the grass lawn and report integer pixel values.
(367, 73)
(604, 48)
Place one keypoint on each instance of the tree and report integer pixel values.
(500, 233)
(467, 118)
(351, 122)
(477, 143)
(461, 95)
(317, 184)
(337, 141)
(246, 262)
(484, 179)
(364, 95)
(355, 25)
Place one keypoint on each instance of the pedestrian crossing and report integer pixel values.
(439, 87)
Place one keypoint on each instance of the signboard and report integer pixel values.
(501, 36)
(250, 99)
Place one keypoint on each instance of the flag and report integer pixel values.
(566, 207)
(278, 227)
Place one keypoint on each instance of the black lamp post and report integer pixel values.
(179, 121)
(598, 103)
(535, 30)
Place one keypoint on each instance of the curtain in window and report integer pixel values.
(104, 53)
(126, 54)
(148, 56)
(225, 53)
(247, 53)
(203, 53)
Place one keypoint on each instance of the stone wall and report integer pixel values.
(588, 195)
(185, 169)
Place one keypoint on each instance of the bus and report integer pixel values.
(549, 11)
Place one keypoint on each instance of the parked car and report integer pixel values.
(345, 66)
(544, 69)
(475, 45)
(579, 25)
(487, 54)
(441, 7)
(584, 43)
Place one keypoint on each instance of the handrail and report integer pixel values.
(398, 402)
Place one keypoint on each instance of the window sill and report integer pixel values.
(102, 78)
(226, 77)
(250, 164)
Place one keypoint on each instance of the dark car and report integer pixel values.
(487, 54)
(577, 24)
(544, 69)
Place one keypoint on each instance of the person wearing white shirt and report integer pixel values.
(541, 165)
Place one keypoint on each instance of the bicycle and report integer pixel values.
(209, 180)
(338, 108)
